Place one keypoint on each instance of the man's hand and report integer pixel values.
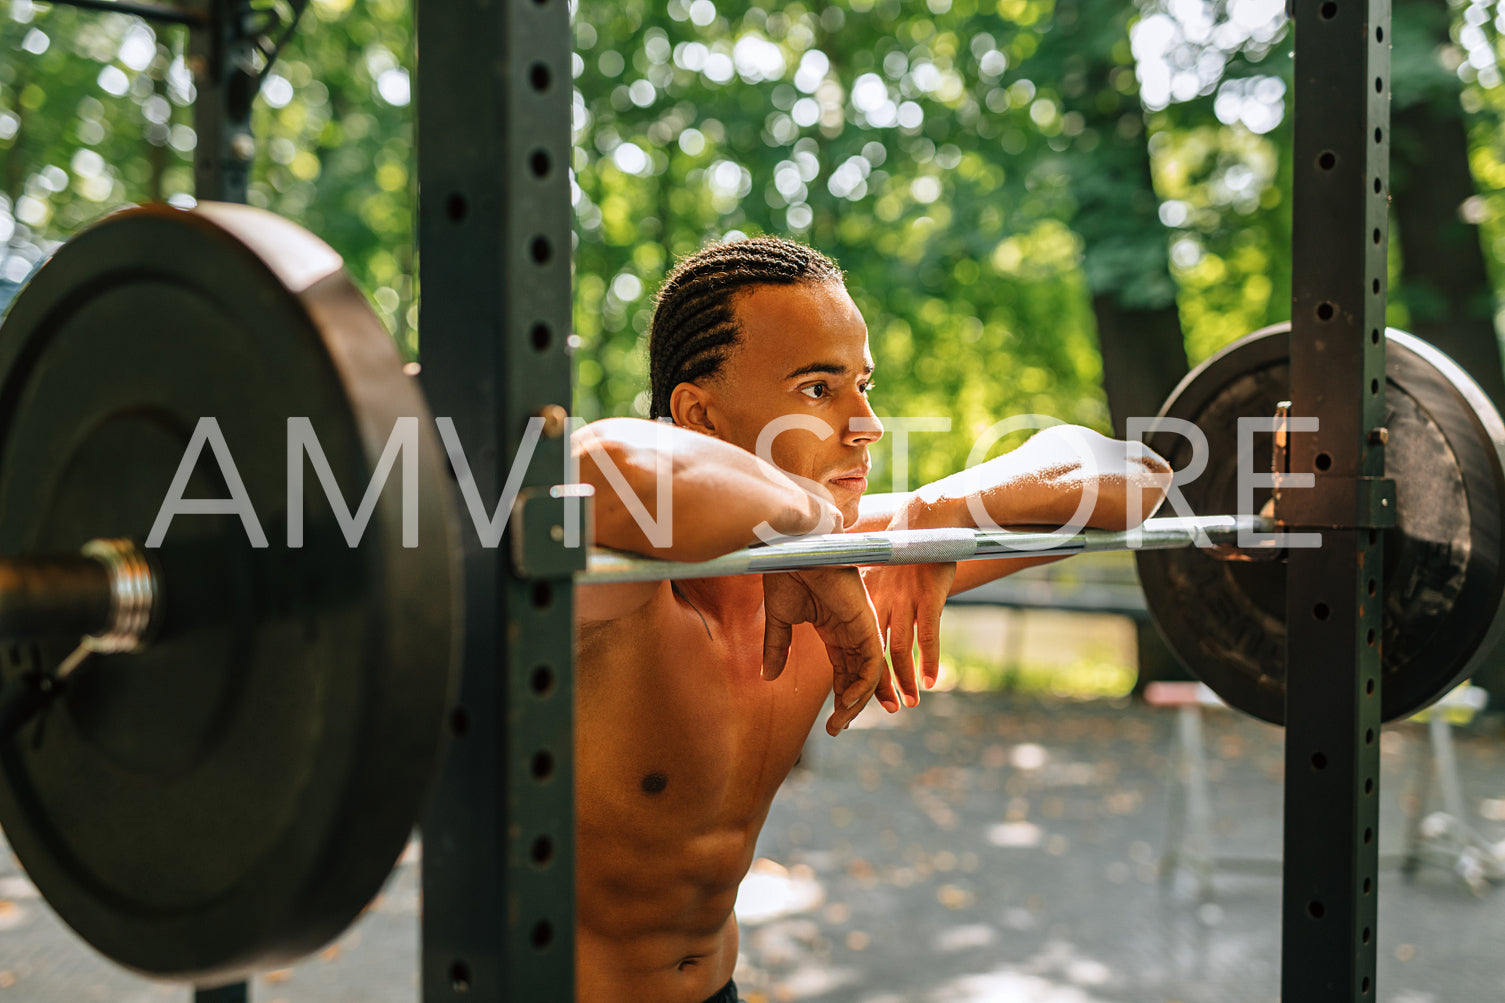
(908, 599)
(836, 603)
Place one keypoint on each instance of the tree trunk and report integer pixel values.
(1144, 357)
(1125, 254)
(1444, 279)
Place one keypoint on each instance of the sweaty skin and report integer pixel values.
(681, 741)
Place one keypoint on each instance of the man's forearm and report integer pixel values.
(668, 492)
(1061, 476)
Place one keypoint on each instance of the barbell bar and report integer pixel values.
(926, 546)
(105, 595)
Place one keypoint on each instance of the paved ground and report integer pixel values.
(983, 848)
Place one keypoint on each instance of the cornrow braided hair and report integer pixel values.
(694, 326)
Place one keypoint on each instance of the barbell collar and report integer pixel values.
(104, 596)
(924, 546)
(133, 593)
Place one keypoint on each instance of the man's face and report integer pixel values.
(797, 379)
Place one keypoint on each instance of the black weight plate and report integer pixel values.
(230, 797)
(1443, 577)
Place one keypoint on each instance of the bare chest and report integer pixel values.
(675, 723)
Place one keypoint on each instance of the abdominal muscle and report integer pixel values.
(675, 941)
(680, 748)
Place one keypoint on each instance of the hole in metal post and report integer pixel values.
(1319, 761)
(1379, 186)
(1323, 461)
(542, 851)
(1320, 611)
(1374, 388)
(459, 721)
(1379, 34)
(542, 934)
(1371, 586)
(1379, 134)
(1368, 836)
(1375, 287)
(1379, 85)
(1369, 787)
(542, 336)
(542, 681)
(538, 76)
(1369, 688)
(1369, 737)
(455, 207)
(1315, 909)
(1367, 886)
(1327, 160)
(542, 765)
(1376, 235)
(1374, 336)
(539, 163)
(1325, 310)
(1328, 10)
(543, 595)
(459, 977)
(541, 249)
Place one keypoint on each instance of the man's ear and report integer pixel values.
(690, 407)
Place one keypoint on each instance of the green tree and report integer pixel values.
(95, 113)
(1444, 281)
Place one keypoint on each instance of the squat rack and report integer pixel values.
(494, 225)
(1340, 205)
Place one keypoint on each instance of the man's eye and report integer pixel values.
(814, 391)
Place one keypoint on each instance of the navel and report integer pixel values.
(654, 783)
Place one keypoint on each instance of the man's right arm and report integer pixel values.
(667, 492)
(720, 493)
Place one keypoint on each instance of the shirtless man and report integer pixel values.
(695, 697)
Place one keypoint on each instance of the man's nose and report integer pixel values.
(864, 427)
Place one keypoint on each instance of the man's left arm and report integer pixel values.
(1062, 476)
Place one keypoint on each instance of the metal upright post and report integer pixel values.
(1342, 100)
(494, 227)
(220, 52)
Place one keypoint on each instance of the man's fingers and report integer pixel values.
(901, 653)
(777, 637)
(887, 695)
(929, 631)
(861, 672)
(930, 640)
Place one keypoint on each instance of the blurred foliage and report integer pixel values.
(95, 113)
(939, 152)
(955, 156)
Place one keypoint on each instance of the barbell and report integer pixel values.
(212, 753)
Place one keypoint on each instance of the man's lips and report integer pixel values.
(852, 480)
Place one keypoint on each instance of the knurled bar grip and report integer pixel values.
(923, 546)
